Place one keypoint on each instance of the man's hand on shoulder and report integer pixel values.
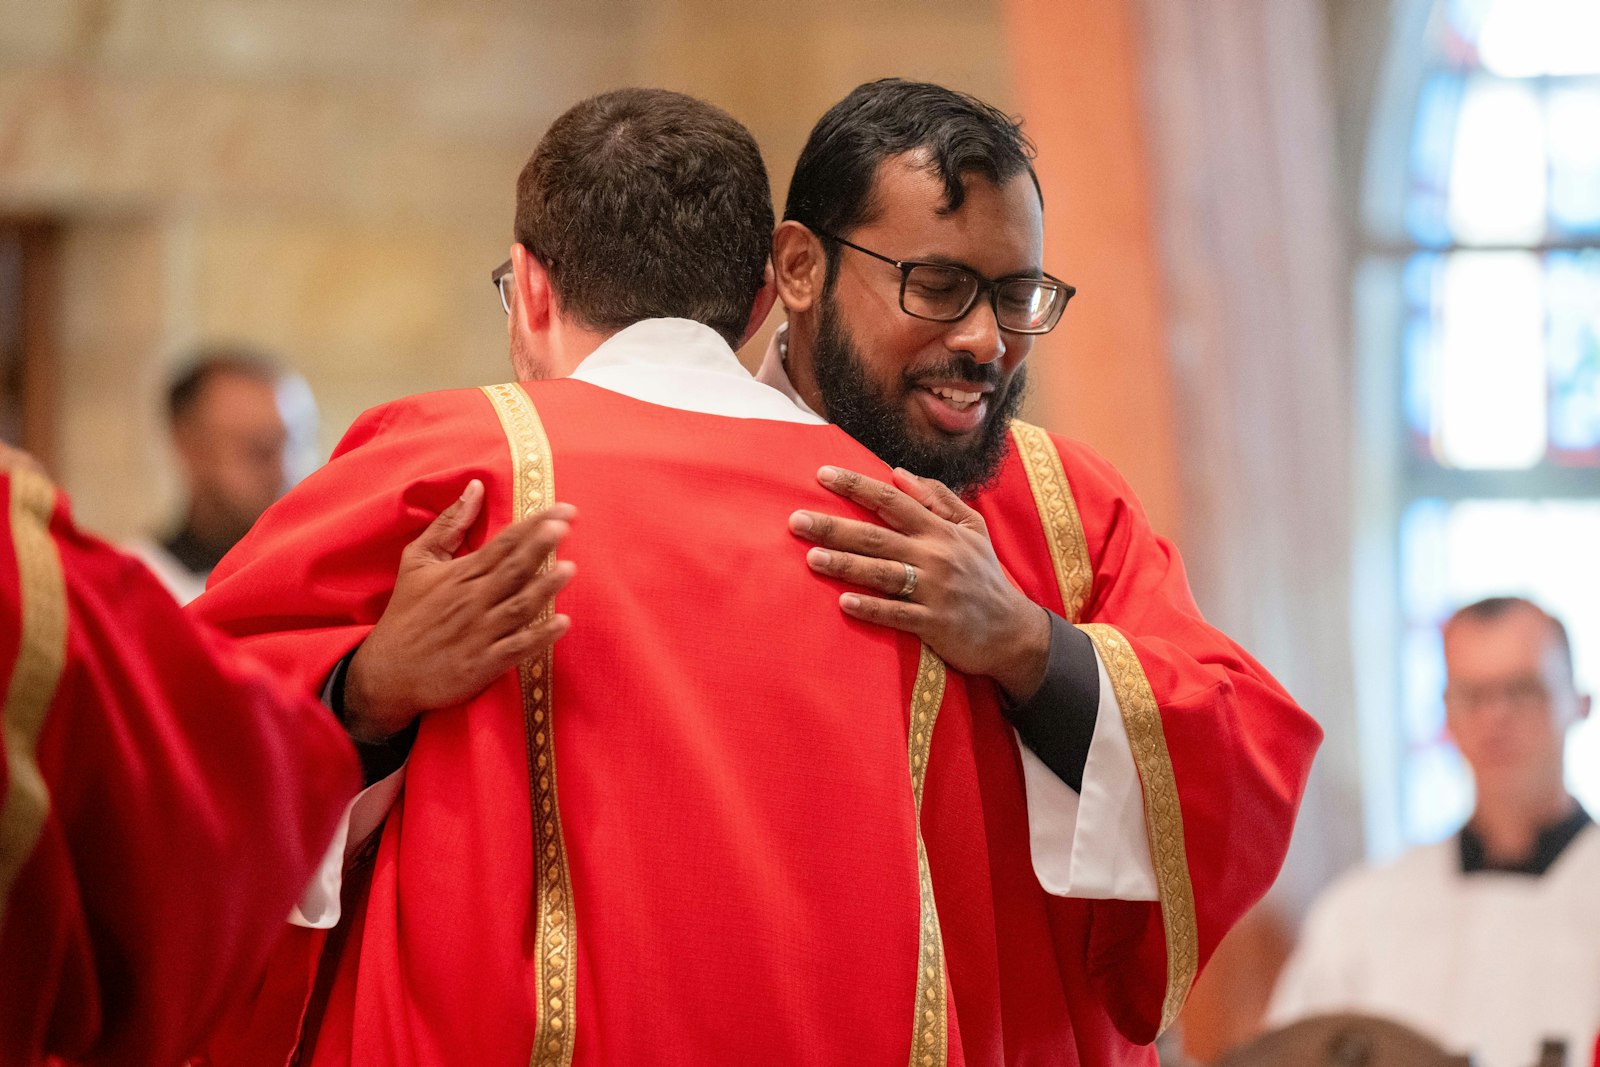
(455, 625)
(960, 601)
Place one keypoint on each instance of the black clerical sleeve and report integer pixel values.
(1057, 722)
(379, 759)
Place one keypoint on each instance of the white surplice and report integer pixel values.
(1486, 963)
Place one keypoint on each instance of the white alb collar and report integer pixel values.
(683, 364)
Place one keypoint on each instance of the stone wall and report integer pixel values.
(331, 179)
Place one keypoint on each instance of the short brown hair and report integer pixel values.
(644, 203)
(1495, 608)
(213, 361)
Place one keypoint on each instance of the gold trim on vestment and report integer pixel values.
(930, 1035)
(555, 940)
(35, 674)
(1163, 818)
(1141, 716)
(1058, 511)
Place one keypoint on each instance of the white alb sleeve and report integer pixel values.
(318, 908)
(1094, 845)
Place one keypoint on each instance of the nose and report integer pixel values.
(978, 334)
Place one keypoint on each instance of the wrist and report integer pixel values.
(372, 713)
(1027, 653)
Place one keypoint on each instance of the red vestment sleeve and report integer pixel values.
(1221, 751)
(315, 573)
(1223, 733)
(162, 802)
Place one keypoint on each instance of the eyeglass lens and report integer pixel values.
(944, 294)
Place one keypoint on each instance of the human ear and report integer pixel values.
(765, 296)
(799, 264)
(530, 305)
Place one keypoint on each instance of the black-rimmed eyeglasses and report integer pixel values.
(503, 280)
(940, 292)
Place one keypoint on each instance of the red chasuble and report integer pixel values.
(688, 835)
(162, 802)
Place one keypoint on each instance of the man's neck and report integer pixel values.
(558, 350)
(203, 539)
(795, 346)
(1510, 829)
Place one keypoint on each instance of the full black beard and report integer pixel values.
(879, 421)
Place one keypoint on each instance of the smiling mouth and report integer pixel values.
(957, 397)
(960, 399)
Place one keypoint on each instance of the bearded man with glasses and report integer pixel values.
(1161, 761)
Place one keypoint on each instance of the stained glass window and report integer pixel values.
(1495, 245)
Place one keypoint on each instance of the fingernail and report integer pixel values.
(799, 522)
(902, 470)
(850, 601)
(817, 557)
(828, 474)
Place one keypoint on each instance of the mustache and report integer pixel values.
(962, 368)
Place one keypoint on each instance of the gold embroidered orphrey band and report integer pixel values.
(1141, 716)
(555, 941)
(1058, 511)
(41, 657)
(930, 1034)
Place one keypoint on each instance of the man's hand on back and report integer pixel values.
(454, 625)
(963, 605)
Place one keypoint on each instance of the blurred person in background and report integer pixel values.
(1490, 941)
(163, 799)
(243, 429)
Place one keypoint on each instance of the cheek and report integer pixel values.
(887, 347)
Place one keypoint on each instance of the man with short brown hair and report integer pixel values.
(688, 832)
(1487, 942)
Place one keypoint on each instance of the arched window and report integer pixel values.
(1478, 318)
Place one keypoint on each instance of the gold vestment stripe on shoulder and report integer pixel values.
(930, 1035)
(41, 657)
(1141, 717)
(1058, 511)
(555, 939)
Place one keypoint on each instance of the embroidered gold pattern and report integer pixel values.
(1163, 818)
(555, 947)
(1069, 552)
(41, 657)
(931, 1027)
(1058, 511)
